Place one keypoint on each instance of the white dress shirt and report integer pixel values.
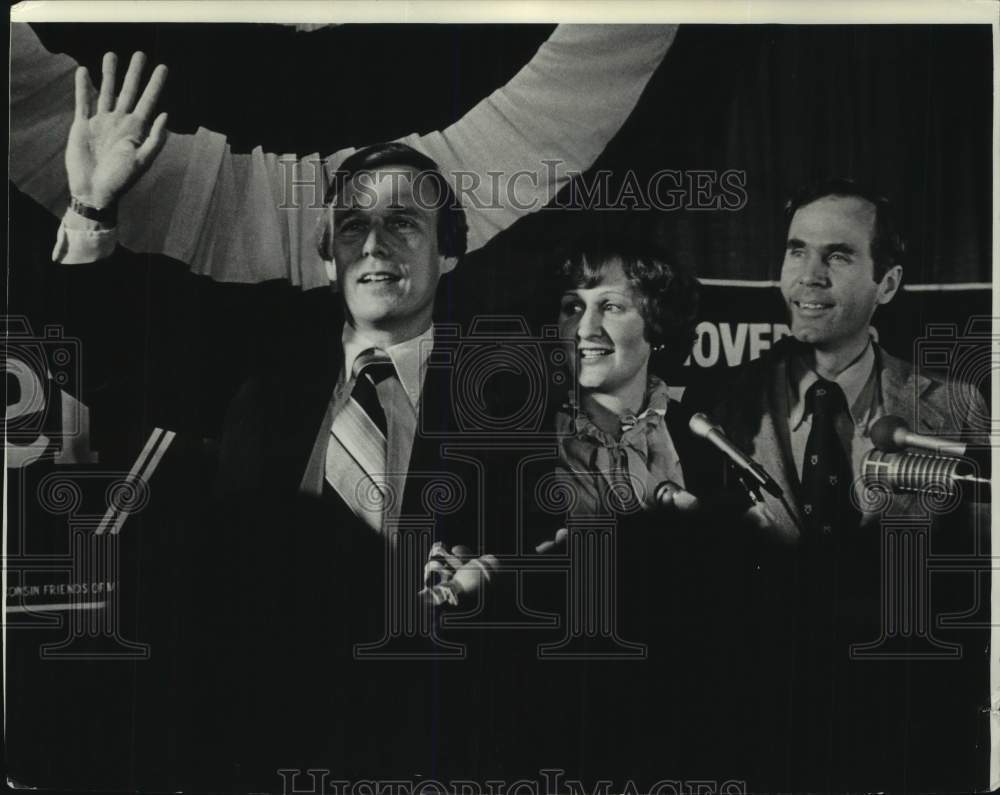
(861, 385)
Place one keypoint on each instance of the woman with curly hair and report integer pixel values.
(647, 582)
(629, 312)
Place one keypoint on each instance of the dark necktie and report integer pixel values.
(827, 476)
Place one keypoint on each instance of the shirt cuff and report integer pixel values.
(81, 240)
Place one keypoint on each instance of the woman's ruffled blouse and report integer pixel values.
(609, 474)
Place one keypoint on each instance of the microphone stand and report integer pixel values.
(753, 490)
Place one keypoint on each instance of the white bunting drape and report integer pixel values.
(252, 217)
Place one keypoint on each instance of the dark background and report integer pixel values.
(908, 108)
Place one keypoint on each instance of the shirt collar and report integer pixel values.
(657, 400)
(856, 381)
(408, 357)
(573, 419)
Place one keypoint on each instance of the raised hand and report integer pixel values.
(111, 148)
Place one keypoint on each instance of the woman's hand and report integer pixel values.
(110, 149)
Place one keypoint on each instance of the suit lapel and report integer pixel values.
(903, 391)
(303, 389)
(778, 396)
(315, 472)
(774, 437)
(304, 431)
(399, 449)
(435, 420)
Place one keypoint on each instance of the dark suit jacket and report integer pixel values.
(272, 426)
(753, 410)
(254, 595)
(330, 587)
(816, 715)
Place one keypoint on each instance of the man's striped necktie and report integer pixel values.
(367, 438)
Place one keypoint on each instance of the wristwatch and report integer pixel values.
(107, 216)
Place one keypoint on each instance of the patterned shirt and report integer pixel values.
(612, 474)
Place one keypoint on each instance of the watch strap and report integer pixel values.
(108, 216)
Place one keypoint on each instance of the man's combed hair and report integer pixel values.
(452, 226)
(888, 247)
(668, 294)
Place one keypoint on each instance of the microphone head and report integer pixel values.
(664, 493)
(685, 501)
(883, 433)
(701, 425)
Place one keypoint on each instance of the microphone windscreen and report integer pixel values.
(884, 431)
(669, 495)
(701, 425)
(664, 493)
(685, 501)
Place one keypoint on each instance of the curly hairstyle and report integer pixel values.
(668, 294)
(452, 226)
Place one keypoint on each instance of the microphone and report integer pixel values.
(915, 472)
(702, 426)
(669, 495)
(891, 434)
